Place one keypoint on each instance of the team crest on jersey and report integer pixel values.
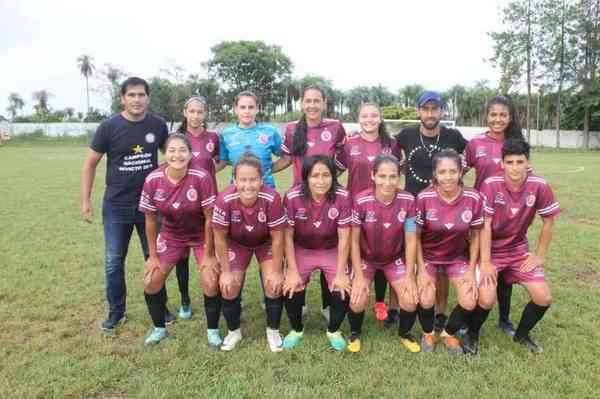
(530, 200)
(159, 195)
(236, 216)
(370, 217)
(499, 199)
(150, 137)
(333, 213)
(480, 152)
(263, 138)
(192, 194)
(467, 216)
(401, 216)
(231, 255)
(261, 216)
(431, 215)
(161, 245)
(300, 214)
(210, 146)
(355, 150)
(326, 135)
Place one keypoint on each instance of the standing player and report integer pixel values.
(318, 237)
(359, 154)
(383, 237)
(249, 219)
(418, 146)
(205, 154)
(312, 135)
(484, 154)
(510, 204)
(130, 140)
(184, 197)
(449, 218)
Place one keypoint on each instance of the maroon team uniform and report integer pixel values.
(182, 206)
(205, 150)
(248, 228)
(445, 228)
(512, 213)
(358, 156)
(315, 226)
(327, 138)
(382, 232)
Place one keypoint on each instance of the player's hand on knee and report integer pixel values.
(531, 262)
(273, 282)
(469, 285)
(292, 283)
(425, 283)
(409, 290)
(341, 283)
(227, 282)
(360, 290)
(488, 274)
(211, 264)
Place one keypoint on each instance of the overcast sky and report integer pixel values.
(394, 43)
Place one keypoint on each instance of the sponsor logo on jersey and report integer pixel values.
(333, 213)
(150, 137)
(530, 200)
(249, 228)
(159, 195)
(449, 225)
(301, 214)
(261, 216)
(210, 146)
(370, 217)
(514, 210)
(401, 216)
(499, 199)
(192, 194)
(317, 224)
(467, 216)
(326, 135)
(236, 216)
(431, 215)
(263, 138)
(176, 205)
(480, 152)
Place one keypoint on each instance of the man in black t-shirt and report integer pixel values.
(418, 145)
(131, 141)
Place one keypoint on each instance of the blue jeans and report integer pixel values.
(119, 222)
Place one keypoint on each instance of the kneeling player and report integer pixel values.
(185, 198)
(248, 219)
(510, 204)
(383, 238)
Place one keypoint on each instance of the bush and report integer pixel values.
(396, 112)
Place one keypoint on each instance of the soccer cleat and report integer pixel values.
(326, 311)
(157, 335)
(185, 311)
(274, 340)
(428, 342)
(231, 340)
(452, 344)
(392, 319)
(440, 322)
(507, 328)
(354, 343)
(410, 343)
(214, 338)
(529, 343)
(169, 318)
(112, 322)
(292, 339)
(336, 340)
(470, 343)
(380, 310)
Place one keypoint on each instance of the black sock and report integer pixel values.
(182, 271)
(293, 308)
(407, 320)
(325, 293)
(531, 315)
(232, 311)
(380, 285)
(156, 307)
(426, 317)
(212, 307)
(273, 308)
(457, 318)
(478, 317)
(338, 311)
(504, 293)
(356, 321)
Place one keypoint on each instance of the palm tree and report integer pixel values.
(15, 104)
(41, 97)
(86, 68)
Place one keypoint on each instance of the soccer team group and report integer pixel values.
(434, 233)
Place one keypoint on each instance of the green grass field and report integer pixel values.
(52, 302)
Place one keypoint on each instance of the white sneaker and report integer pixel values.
(325, 312)
(231, 340)
(274, 339)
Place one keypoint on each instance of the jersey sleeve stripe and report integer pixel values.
(208, 201)
(277, 222)
(549, 209)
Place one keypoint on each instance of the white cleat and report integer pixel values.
(231, 340)
(274, 339)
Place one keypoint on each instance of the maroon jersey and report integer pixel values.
(327, 138)
(358, 156)
(445, 225)
(315, 223)
(205, 150)
(382, 225)
(513, 211)
(181, 204)
(484, 153)
(249, 226)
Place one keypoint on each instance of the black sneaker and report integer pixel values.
(529, 343)
(470, 343)
(392, 320)
(112, 322)
(440, 322)
(169, 318)
(507, 328)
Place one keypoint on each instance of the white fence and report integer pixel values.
(545, 138)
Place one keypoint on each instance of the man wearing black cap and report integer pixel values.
(418, 145)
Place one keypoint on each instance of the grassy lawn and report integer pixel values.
(52, 301)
